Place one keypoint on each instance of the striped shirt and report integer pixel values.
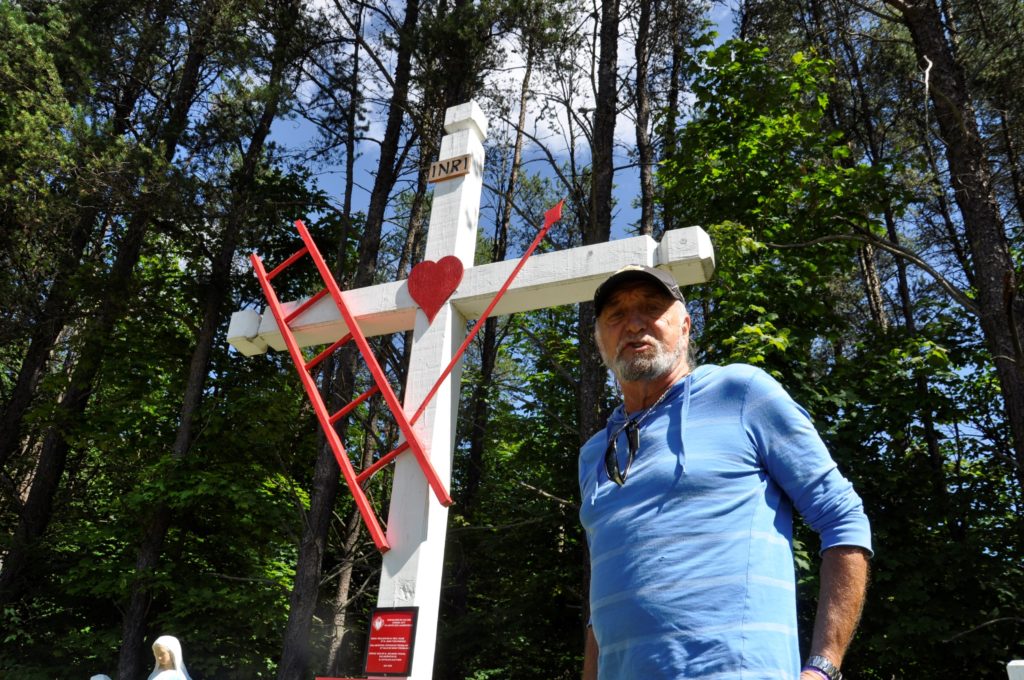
(691, 560)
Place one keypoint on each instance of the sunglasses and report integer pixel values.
(611, 454)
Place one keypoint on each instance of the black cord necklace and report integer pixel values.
(632, 430)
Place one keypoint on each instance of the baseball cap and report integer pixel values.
(631, 273)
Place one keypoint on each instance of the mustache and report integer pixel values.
(642, 338)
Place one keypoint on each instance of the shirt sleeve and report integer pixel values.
(795, 457)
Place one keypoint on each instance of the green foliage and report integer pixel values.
(35, 117)
(523, 544)
(455, 75)
(235, 503)
(36, 152)
(936, 516)
(774, 162)
(911, 417)
(757, 165)
(757, 151)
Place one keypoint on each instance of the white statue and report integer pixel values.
(169, 663)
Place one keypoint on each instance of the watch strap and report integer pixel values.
(824, 666)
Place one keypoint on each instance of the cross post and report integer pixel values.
(411, 571)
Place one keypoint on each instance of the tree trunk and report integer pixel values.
(387, 170)
(36, 512)
(603, 140)
(872, 286)
(59, 301)
(351, 117)
(671, 116)
(999, 298)
(598, 228)
(644, 145)
(1013, 163)
(340, 655)
(415, 231)
(479, 400)
(133, 654)
(479, 403)
(953, 238)
(54, 317)
(340, 659)
(294, 662)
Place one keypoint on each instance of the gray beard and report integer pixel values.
(646, 368)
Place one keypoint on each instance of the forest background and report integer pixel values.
(857, 164)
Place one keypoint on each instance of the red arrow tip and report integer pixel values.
(554, 214)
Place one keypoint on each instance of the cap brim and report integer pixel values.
(660, 278)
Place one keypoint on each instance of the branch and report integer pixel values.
(894, 249)
(7, 483)
(497, 527)
(244, 579)
(363, 589)
(528, 218)
(358, 36)
(547, 152)
(985, 625)
(557, 365)
(897, 5)
(1009, 286)
(544, 493)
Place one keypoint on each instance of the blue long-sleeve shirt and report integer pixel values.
(691, 559)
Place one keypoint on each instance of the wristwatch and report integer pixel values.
(820, 663)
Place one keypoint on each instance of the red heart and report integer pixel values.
(432, 283)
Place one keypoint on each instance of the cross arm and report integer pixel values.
(547, 280)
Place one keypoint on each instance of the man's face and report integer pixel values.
(642, 332)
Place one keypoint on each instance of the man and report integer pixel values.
(687, 498)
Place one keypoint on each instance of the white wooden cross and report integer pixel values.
(416, 523)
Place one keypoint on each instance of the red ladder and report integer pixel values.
(381, 385)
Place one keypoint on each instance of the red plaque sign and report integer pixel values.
(389, 648)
